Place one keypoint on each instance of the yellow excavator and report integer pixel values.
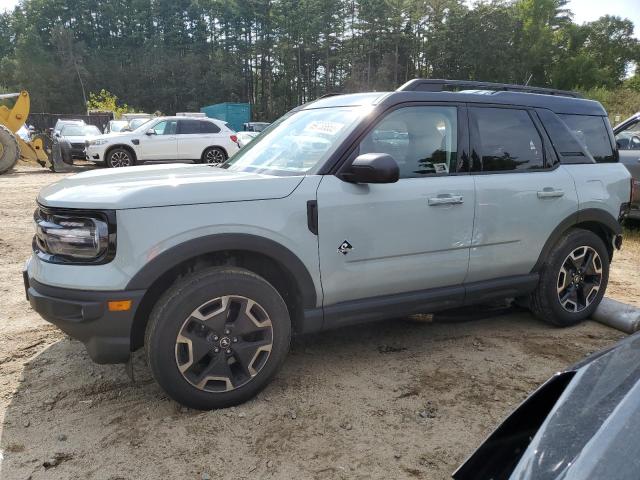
(12, 147)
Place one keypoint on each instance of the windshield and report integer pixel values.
(297, 142)
(80, 130)
(118, 126)
(137, 122)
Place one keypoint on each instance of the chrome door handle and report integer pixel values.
(550, 193)
(446, 200)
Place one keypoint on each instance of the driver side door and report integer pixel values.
(379, 242)
(160, 145)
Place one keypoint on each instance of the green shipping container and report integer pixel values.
(235, 114)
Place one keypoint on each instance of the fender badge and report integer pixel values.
(345, 247)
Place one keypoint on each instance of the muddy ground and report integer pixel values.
(397, 399)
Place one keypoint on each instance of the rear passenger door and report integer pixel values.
(522, 193)
(192, 140)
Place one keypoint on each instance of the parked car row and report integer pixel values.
(136, 140)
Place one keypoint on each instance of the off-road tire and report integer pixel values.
(545, 301)
(112, 160)
(9, 149)
(175, 310)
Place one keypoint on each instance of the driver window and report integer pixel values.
(423, 140)
(629, 138)
(167, 127)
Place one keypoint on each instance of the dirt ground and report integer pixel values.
(397, 399)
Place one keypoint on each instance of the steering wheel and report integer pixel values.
(634, 143)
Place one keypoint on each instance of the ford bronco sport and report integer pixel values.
(348, 209)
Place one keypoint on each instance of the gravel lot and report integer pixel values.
(397, 399)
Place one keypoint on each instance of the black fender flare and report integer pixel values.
(196, 247)
(591, 215)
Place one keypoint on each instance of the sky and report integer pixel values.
(589, 10)
(583, 10)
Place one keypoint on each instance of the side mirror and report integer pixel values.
(373, 168)
(151, 131)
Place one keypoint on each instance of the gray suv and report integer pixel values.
(348, 209)
(628, 140)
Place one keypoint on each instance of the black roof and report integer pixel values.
(558, 101)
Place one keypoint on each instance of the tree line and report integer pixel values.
(179, 55)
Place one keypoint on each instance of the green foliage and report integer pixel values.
(633, 83)
(177, 55)
(620, 102)
(107, 102)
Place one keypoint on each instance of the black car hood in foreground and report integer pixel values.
(584, 423)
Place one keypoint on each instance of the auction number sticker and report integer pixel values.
(327, 128)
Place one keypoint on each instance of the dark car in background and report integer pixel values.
(254, 126)
(628, 139)
(77, 135)
(583, 423)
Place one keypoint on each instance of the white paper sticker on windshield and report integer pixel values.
(441, 167)
(328, 128)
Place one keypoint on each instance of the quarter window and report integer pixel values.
(593, 134)
(509, 140)
(208, 127)
(423, 140)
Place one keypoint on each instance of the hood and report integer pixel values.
(77, 138)
(163, 185)
(114, 134)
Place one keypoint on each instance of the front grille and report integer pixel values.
(79, 146)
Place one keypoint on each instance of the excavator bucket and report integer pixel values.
(12, 147)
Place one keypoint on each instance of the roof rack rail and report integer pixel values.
(438, 85)
(330, 94)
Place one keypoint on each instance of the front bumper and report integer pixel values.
(95, 153)
(85, 316)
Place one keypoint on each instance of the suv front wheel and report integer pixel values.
(573, 279)
(217, 337)
(120, 157)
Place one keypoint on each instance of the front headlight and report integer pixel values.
(98, 141)
(67, 236)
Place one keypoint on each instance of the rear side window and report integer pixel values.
(188, 127)
(508, 140)
(209, 127)
(592, 133)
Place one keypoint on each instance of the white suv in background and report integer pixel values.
(201, 140)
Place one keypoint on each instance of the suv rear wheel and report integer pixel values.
(214, 155)
(573, 279)
(217, 337)
(120, 157)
